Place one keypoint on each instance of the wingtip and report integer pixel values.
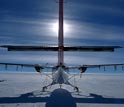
(3, 46)
(120, 47)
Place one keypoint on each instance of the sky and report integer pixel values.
(87, 23)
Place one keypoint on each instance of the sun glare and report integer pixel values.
(55, 27)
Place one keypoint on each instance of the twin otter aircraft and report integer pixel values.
(60, 75)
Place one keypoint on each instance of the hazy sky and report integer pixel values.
(87, 22)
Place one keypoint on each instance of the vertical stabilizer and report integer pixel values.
(61, 34)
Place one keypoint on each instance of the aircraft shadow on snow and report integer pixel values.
(61, 98)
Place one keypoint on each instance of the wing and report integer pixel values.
(83, 68)
(36, 66)
(66, 48)
(25, 65)
(102, 65)
(95, 66)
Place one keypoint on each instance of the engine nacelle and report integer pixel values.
(38, 68)
(83, 69)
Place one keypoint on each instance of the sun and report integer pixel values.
(55, 27)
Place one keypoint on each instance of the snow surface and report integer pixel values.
(96, 90)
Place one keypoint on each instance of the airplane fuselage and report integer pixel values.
(60, 76)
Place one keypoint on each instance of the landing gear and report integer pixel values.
(45, 87)
(76, 89)
(60, 85)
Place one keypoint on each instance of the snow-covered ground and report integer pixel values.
(96, 90)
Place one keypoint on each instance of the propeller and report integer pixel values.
(82, 70)
(38, 68)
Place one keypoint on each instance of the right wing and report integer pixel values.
(95, 66)
(83, 68)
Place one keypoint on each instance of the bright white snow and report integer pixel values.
(96, 90)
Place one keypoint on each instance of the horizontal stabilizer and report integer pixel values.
(66, 48)
(92, 48)
(29, 48)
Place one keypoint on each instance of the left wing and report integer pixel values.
(37, 67)
(25, 65)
